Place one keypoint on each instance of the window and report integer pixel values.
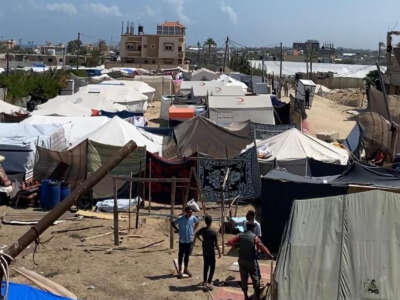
(168, 46)
(179, 49)
(153, 46)
(144, 46)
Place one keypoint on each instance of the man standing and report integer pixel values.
(209, 243)
(250, 218)
(187, 224)
(248, 265)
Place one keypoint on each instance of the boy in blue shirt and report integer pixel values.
(185, 225)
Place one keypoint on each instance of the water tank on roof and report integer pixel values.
(51, 51)
(140, 30)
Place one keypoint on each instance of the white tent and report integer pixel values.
(229, 81)
(75, 128)
(204, 74)
(138, 86)
(10, 109)
(111, 98)
(189, 85)
(225, 110)
(118, 132)
(203, 91)
(18, 143)
(292, 150)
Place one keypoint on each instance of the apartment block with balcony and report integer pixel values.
(167, 47)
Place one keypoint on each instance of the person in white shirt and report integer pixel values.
(250, 218)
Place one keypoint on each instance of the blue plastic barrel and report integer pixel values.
(54, 194)
(44, 187)
(65, 191)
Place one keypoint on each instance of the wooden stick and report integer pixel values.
(135, 236)
(96, 236)
(116, 233)
(150, 185)
(130, 199)
(152, 244)
(76, 229)
(171, 231)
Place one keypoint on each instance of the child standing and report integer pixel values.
(209, 243)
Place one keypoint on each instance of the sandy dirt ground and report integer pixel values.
(89, 271)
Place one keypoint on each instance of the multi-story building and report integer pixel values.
(8, 44)
(51, 49)
(167, 47)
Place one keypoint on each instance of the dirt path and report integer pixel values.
(122, 274)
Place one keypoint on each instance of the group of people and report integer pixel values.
(249, 244)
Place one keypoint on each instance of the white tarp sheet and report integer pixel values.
(339, 70)
(345, 247)
(10, 109)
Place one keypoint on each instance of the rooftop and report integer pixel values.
(172, 24)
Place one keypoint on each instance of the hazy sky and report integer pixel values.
(348, 23)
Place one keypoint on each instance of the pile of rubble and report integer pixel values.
(348, 97)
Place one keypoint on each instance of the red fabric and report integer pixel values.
(161, 168)
(95, 112)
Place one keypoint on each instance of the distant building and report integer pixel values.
(327, 53)
(8, 44)
(306, 45)
(51, 49)
(167, 47)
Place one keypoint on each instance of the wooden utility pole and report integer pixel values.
(226, 52)
(36, 230)
(311, 57)
(280, 67)
(78, 50)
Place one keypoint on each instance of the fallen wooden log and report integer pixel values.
(96, 236)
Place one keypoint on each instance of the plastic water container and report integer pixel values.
(54, 194)
(65, 191)
(44, 188)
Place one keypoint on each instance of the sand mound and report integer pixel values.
(348, 97)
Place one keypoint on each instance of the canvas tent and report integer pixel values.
(75, 128)
(292, 150)
(200, 135)
(342, 247)
(203, 91)
(203, 74)
(189, 85)
(225, 110)
(18, 144)
(10, 109)
(118, 132)
(139, 86)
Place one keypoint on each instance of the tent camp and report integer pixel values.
(225, 110)
(342, 247)
(112, 98)
(200, 135)
(189, 85)
(203, 91)
(292, 150)
(18, 144)
(139, 86)
(229, 81)
(117, 132)
(75, 128)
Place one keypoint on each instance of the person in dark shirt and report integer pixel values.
(209, 240)
(248, 242)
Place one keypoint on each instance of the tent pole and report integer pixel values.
(130, 199)
(115, 209)
(171, 231)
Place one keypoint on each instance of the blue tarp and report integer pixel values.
(94, 72)
(18, 291)
(353, 140)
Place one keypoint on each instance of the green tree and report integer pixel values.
(210, 43)
(73, 46)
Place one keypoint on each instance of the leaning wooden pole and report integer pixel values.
(35, 231)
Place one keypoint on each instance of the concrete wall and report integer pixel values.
(151, 67)
(341, 82)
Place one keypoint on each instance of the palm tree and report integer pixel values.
(210, 43)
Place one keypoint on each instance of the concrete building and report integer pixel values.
(51, 49)
(310, 44)
(8, 44)
(167, 47)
